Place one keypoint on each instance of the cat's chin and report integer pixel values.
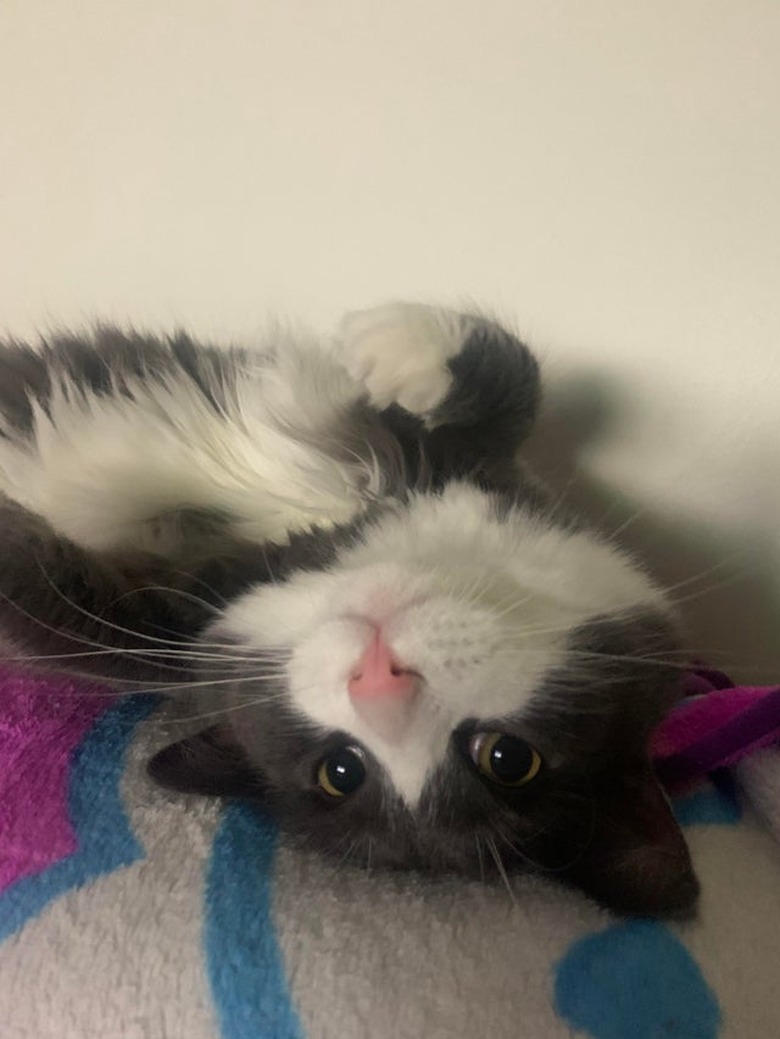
(673, 891)
(635, 864)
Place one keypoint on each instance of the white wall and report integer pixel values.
(605, 174)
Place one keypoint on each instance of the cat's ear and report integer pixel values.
(210, 762)
(636, 861)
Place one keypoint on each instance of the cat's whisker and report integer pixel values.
(173, 688)
(554, 507)
(669, 591)
(117, 686)
(711, 589)
(637, 513)
(229, 709)
(480, 857)
(582, 655)
(523, 856)
(508, 606)
(92, 675)
(344, 858)
(496, 856)
(704, 575)
(174, 647)
(190, 596)
(130, 652)
(187, 575)
(94, 617)
(172, 650)
(65, 633)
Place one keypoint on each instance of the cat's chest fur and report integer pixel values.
(111, 468)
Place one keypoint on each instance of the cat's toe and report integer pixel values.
(400, 353)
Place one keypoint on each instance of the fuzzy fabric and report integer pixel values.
(129, 912)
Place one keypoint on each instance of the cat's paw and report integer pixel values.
(399, 353)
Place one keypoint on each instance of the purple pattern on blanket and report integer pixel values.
(42, 721)
(713, 727)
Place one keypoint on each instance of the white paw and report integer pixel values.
(399, 352)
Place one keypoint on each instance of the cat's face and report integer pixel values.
(465, 687)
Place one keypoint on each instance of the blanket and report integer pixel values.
(127, 911)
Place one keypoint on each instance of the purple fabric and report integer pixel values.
(725, 742)
(714, 727)
(42, 720)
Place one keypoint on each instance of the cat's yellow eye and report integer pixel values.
(506, 760)
(342, 772)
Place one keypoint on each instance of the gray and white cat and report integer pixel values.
(411, 657)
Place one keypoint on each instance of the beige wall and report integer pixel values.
(605, 174)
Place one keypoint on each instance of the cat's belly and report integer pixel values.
(119, 471)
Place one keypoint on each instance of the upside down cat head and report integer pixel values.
(414, 660)
(460, 685)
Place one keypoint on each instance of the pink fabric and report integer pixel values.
(42, 721)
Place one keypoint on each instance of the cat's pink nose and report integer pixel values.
(379, 674)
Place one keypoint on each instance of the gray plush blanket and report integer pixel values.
(129, 912)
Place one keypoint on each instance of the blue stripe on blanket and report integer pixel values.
(637, 979)
(105, 840)
(710, 805)
(245, 966)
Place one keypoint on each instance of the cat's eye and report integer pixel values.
(506, 760)
(342, 772)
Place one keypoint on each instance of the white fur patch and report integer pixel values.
(399, 352)
(99, 468)
(480, 608)
(103, 468)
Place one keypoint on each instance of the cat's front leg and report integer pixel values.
(400, 353)
(473, 384)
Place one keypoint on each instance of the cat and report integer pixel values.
(413, 657)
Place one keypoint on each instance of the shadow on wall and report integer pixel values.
(725, 582)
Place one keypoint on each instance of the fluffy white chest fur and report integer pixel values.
(101, 468)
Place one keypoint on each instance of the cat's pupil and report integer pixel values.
(345, 770)
(510, 759)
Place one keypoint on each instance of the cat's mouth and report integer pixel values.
(383, 609)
